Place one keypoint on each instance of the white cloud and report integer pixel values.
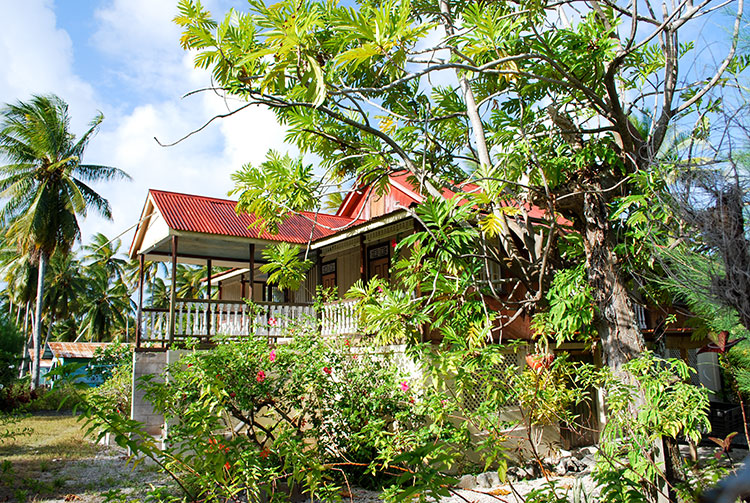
(37, 58)
(138, 44)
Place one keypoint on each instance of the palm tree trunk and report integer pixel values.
(38, 323)
(22, 370)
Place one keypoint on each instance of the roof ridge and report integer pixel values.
(208, 198)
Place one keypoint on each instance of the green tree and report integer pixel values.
(65, 291)
(11, 343)
(535, 103)
(45, 185)
(102, 253)
(106, 307)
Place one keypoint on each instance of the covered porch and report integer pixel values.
(238, 302)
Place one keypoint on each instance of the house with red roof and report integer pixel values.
(356, 243)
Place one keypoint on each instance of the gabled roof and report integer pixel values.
(75, 349)
(210, 215)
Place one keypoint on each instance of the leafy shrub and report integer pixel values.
(108, 359)
(11, 344)
(246, 418)
(116, 391)
(18, 397)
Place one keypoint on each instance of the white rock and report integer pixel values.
(488, 479)
(467, 482)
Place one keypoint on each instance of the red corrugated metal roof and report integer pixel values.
(75, 349)
(210, 215)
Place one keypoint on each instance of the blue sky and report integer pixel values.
(122, 57)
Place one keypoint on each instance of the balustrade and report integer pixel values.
(339, 318)
(203, 318)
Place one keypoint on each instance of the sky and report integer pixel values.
(122, 57)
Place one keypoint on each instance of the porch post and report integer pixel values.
(172, 291)
(139, 316)
(208, 298)
(251, 274)
(362, 258)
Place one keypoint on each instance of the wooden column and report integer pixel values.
(362, 258)
(139, 315)
(319, 266)
(172, 291)
(251, 274)
(208, 297)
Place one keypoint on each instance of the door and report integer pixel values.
(328, 276)
(379, 268)
(379, 261)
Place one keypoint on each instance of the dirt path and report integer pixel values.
(55, 463)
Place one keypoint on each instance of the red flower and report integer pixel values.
(232, 394)
(393, 243)
(272, 321)
(261, 376)
(264, 453)
(227, 466)
(347, 343)
(327, 370)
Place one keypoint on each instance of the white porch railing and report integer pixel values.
(339, 318)
(206, 318)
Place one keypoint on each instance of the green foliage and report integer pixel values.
(279, 186)
(308, 410)
(108, 360)
(9, 431)
(11, 347)
(284, 266)
(670, 407)
(571, 308)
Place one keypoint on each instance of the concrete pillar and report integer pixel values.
(147, 363)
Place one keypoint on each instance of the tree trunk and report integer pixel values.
(25, 353)
(38, 323)
(620, 336)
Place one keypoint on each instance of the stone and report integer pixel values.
(561, 468)
(562, 453)
(467, 482)
(487, 480)
(589, 460)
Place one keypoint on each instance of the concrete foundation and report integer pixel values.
(147, 363)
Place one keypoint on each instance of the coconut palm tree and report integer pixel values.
(44, 185)
(102, 253)
(105, 308)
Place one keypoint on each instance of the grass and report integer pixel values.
(56, 462)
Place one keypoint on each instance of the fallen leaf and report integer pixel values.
(71, 497)
(500, 491)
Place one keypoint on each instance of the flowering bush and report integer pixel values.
(246, 419)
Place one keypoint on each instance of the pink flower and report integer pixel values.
(354, 357)
(404, 386)
(261, 376)
(380, 289)
(327, 370)
(272, 356)
(273, 322)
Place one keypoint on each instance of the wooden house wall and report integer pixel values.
(306, 292)
(347, 266)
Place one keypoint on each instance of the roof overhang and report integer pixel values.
(355, 230)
